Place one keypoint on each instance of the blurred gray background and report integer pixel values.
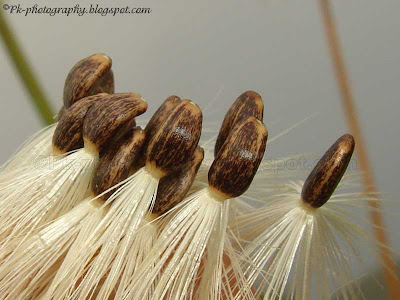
(214, 51)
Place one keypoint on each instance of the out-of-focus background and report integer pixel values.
(215, 50)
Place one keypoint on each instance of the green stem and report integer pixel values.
(25, 71)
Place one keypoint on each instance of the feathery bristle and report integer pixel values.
(35, 148)
(178, 251)
(31, 266)
(106, 251)
(39, 196)
(300, 234)
(311, 245)
(197, 231)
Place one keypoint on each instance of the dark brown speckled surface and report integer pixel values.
(173, 187)
(105, 118)
(237, 162)
(248, 104)
(89, 76)
(68, 134)
(175, 141)
(114, 166)
(324, 178)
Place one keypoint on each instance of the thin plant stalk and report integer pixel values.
(343, 82)
(25, 72)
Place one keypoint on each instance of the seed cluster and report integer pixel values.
(103, 123)
(106, 122)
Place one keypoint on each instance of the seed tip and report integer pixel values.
(193, 103)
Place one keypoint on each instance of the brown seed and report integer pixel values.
(119, 135)
(58, 116)
(105, 84)
(89, 76)
(160, 115)
(68, 134)
(173, 187)
(326, 175)
(237, 162)
(155, 123)
(175, 141)
(107, 117)
(117, 160)
(249, 104)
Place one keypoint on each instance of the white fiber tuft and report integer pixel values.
(38, 145)
(102, 263)
(191, 244)
(33, 265)
(292, 249)
(38, 196)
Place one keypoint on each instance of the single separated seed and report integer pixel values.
(326, 175)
